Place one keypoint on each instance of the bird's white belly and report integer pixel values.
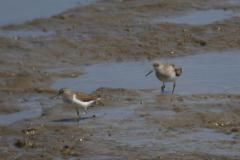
(166, 78)
(80, 104)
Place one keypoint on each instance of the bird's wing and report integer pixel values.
(177, 70)
(86, 97)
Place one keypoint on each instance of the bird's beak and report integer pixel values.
(55, 96)
(150, 72)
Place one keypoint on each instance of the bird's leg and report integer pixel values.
(77, 116)
(163, 87)
(77, 112)
(84, 112)
(173, 87)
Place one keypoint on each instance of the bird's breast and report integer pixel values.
(67, 100)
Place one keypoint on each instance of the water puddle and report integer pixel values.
(167, 112)
(200, 17)
(14, 117)
(234, 2)
(138, 142)
(118, 113)
(31, 106)
(178, 141)
(204, 73)
(17, 12)
(206, 101)
(210, 134)
(32, 34)
(115, 113)
(215, 110)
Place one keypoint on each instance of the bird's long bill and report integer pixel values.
(55, 96)
(150, 72)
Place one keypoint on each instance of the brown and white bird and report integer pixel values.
(77, 100)
(166, 73)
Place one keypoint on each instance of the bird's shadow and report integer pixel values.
(71, 120)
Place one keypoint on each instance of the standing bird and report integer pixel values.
(166, 73)
(77, 99)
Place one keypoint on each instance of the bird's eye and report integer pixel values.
(157, 65)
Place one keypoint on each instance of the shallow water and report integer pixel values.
(203, 73)
(17, 12)
(25, 33)
(210, 134)
(235, 2)
(14, 117)
(200, 17)
(115, 113)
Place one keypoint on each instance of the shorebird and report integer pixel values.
(77, 99)
(166, 73)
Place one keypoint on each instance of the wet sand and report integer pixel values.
(165, 126)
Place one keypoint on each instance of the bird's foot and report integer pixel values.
(163, 88)
(77, 118)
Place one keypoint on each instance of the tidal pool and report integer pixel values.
(200, 17)
(33, 34)
(17, 12)
(203, 73)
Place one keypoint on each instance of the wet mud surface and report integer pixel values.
(133, 123)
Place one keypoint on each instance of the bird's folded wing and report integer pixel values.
(86, 97)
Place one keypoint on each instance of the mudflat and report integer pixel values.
(131, 123)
